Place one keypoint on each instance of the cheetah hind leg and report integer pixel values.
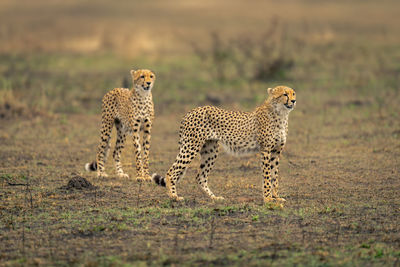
(208, 154)
(186, 154)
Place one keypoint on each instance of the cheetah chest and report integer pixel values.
(136, 115)
(280, 133)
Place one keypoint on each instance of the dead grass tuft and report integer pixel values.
(11, 107)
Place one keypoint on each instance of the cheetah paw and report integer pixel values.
(217, 198)
(268, 199)
(102, 175)
(147, 178)
(176, 198)
(280, 199)
(122, 175)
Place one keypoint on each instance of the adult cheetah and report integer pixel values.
(264, 130)
(132, 111)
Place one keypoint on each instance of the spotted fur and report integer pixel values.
(132, 112)
(264, 130)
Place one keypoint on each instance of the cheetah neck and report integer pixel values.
(273, 111)
(135, 96)
(273, 116)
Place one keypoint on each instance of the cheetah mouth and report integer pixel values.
(146, 88)
(289, 107)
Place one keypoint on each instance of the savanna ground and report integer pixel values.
(340, 170)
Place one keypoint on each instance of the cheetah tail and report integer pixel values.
(91, 166)
(158, 179)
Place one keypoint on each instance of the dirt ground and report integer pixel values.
(340, 177)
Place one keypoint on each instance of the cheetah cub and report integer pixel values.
(264, 131)
(131, 111)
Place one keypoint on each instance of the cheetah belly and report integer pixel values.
(241, 146)
(235, 136)
(251, 148)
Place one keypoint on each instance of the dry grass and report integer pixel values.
(340, 184)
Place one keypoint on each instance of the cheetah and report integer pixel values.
(132, 112)
(264, 130)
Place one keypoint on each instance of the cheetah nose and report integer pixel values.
(293, 101)
(148, 83)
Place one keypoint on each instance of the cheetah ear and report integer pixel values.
(270, 91)
(135, 74)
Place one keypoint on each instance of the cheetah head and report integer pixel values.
(143, 80)
(284, 98)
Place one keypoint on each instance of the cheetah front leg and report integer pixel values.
(146, 150)
(119, 145)
(135, 128)
(138, 156)
(275, 175)
(266, 168)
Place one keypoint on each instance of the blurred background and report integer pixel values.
(62, 56)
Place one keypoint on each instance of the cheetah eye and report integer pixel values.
(285, 94)
(151, 76)
(142, 76)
